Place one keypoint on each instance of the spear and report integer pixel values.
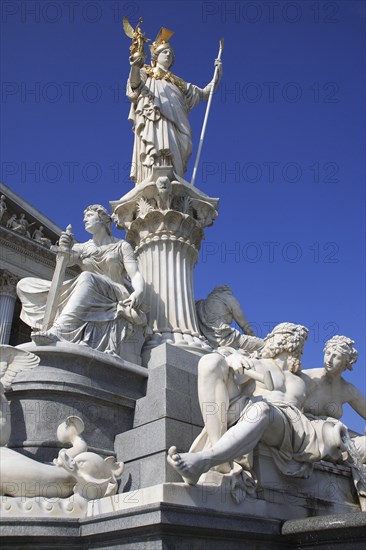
(221, 47)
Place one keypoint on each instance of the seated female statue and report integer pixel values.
(101, 306)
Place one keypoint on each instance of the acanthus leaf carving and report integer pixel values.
(143, 207)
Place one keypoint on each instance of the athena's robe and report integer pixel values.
(159, 113)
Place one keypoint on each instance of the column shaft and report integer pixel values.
(8, 295)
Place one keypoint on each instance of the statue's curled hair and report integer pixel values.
(343, 345)
(286, 337)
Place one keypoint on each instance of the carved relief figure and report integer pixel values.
(3, 207)
(12, 222)
(101, 306)
(161, 103)
(38, 236)
(20, 225)
(164, 188)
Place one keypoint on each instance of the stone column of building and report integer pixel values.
(164, 219)
(8, 296)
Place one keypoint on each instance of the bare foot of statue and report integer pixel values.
(189, 465)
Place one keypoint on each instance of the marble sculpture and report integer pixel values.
(272, 416)
(100, 307)
(250, 390)
(160, 106)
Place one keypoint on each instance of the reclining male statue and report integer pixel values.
(273, 417)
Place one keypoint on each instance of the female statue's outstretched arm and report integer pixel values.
(205, 92)
(134, 76)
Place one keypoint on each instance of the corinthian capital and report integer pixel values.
(8, 283)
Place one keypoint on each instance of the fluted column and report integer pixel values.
(8, 283)
(164, 222)
(166, 260)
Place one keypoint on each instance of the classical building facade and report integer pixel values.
(26, 237)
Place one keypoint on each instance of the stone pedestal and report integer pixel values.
(73, 380)
(164, 218)
(169, 527)
(329, 490)
(154, 509)
(169, 412)
(8, 296)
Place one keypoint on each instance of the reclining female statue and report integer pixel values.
(100, 307)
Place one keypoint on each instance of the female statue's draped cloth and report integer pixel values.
(90, 309)
(159, 113)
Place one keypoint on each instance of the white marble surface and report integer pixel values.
(98, 307)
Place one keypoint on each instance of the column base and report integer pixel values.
(194, 343)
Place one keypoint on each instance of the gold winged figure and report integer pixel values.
(138, 39)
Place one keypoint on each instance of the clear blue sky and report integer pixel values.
(284, 152)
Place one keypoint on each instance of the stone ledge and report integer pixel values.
(343, 531)
(215, 496)
(166, 525)
(80, 350)
(324, 523)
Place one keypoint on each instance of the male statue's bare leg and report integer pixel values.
(214, 394)
(262, 423)
(215, 387)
